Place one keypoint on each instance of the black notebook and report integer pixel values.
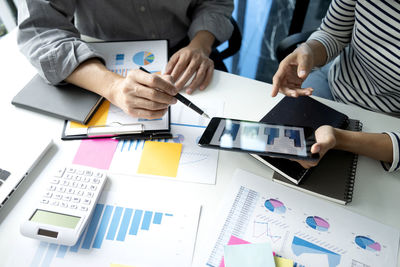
(301, 111)
(65, 101)
(333, 178)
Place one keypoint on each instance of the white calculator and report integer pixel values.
(65, 205)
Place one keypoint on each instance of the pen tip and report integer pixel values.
(205, 115)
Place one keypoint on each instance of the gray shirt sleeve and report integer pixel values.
(213, 16)
(49, 39)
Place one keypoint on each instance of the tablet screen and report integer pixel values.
(260, 137)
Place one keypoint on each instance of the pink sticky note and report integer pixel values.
(96, 153)
(235, 241)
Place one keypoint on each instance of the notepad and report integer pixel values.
(159, 158)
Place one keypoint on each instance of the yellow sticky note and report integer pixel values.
(99, 118)
(282, 262)
(160, 158)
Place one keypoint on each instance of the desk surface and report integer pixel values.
(376, 192)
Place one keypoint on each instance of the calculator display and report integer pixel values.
(56, 219)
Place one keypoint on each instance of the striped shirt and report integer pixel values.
(363, 39)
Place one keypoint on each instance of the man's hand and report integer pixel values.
(193, 61)
(143, 95)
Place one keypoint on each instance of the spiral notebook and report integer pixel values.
(301, 111)
(333, 178)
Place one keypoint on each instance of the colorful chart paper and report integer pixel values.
(317, 223)
(97, 153)
(159, 158)
(367, 243)
(143, 58)
(274, 205)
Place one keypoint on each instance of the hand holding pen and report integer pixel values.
(185, 101)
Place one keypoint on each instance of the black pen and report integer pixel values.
(185, 101)
(152, 136)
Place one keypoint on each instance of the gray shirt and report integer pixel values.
(49, 31)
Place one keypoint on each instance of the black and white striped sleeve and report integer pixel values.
(395, 137)
(336, 28)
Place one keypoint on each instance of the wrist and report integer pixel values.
(318, 52)
(203, 41)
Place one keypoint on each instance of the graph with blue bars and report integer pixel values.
(108, 223)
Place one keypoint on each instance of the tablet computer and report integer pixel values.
(284, 141)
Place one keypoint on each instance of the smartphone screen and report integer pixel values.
(261, 138)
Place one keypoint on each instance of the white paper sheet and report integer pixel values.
(309, 230)
(164, 235)
(197, 164)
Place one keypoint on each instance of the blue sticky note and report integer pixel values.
(249, 255)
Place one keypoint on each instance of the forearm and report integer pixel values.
(94, 76)
(373, 145)
(204, 41)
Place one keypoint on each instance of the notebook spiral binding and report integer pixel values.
(353, 169)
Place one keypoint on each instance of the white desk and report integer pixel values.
(377, 193)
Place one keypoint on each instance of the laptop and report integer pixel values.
(18, 156)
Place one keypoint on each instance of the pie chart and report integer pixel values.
(274, 205)
(143, 58)
(317, 223)
(367, 243)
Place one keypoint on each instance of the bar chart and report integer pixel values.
(117, 234)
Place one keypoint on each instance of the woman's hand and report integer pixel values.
(326, 140)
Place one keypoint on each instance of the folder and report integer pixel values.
(110, 121)
(62, 101)
(120, 127)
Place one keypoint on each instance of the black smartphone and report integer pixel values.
(283, 141)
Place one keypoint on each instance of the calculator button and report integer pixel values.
(68, 176)
(48, 194)
(70, 191)
(71, 170)
(76, 200)
(64, 205)
(80, 193)
(86, 201)
(66, 198)
(74, 184)
(98, 174)
(55, 203)
(65, 183)
(73, 206)
(89, 194)
(51, 188)
(96, 180)
(88, 173)
(82, 186)
(44, 201)
(77, 177)
(83, 208)
(55, 181)
(59, 172)
(93, 187)
(57, 196)
(61, 189)
(80, 172)
(86, 179)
